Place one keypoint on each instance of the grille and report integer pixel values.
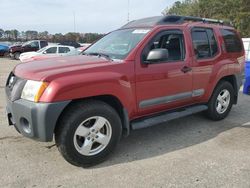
(14, 87)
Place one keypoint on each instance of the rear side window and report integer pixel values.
(231, 40)
(43, 44)
(63, 50)
(204, 42)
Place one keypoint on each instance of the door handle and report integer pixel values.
(186, 69)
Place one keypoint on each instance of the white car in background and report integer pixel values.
(49, 52)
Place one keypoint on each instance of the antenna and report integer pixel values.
(128, 10)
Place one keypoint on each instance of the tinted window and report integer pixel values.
(204, 42)
(171, 41)
(43, 44)
(212, 41)
(51, 50)
(231, 40)
(63, 50)
(201, 44)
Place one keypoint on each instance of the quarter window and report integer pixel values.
(231, 40)
(204, 42)
(43, 44)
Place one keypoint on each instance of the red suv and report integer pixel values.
(148, 72)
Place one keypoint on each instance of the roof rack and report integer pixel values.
(172, 19)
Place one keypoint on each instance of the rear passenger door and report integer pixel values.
(206, 54)
(63, 51)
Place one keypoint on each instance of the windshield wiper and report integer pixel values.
(99, 55)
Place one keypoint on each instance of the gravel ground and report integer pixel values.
(188, 152)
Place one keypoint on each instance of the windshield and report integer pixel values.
(26, 43)
(118, 44)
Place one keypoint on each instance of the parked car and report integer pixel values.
(148, 72)
(16, 50)
(4, 50)
(48, 52)
(70, 43)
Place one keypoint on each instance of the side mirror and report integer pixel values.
(156, 55)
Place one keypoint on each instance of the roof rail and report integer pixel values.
(182, 19)
(173, 19)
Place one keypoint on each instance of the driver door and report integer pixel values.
(165, 84)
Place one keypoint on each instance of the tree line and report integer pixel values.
(238, 12)
(15, 35)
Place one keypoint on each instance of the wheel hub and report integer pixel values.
(223, 101)
(92, 135)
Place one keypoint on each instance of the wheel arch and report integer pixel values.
(232, 79)
(111, 100)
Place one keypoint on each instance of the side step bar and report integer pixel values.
(147, 122)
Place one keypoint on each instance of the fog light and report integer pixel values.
(25, 125)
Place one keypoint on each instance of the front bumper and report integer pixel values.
(35, 120)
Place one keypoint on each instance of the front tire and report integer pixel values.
(17, 55)
(88, 132)
(221, 102)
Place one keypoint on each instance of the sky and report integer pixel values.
(57, 16)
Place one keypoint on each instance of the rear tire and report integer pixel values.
(221, 101)
(88, 132)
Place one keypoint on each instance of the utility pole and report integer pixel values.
(128, 10)
(74, 21)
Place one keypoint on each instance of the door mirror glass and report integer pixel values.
(156, 55)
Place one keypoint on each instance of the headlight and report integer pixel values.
(33, 90)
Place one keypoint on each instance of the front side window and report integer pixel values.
(51, 50)
(63, 50)
(118, 44)
(204, 43)
(172, 41)
(231, 40)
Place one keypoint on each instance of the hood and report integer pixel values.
(16, 46)
(49, 69)
(28, 54)
(3, 47)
